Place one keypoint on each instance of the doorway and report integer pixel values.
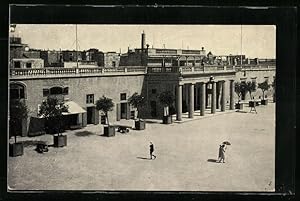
(123, 110)
(90, 115)
(153, 108)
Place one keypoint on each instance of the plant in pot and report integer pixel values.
(105, 105)
(239, 88)
(52, 110)
(251, 87)
(167, 99)
(138, 101)
(264, 86)
(17, 113)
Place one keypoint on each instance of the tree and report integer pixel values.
(17, 112)
(239, 89)
(264, 86)
(105, 105)
(167, 99)
(137, 101)
(250, 87)
(52, 109)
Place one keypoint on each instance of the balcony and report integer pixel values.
(21, 73)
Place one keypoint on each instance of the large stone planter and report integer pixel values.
(16, 149)
(60, 140)
(109, 131)
(264, 102)
(167, 119)
(239, 106)
(140, 125)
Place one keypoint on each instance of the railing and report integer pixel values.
(74, 71)
(134, 69)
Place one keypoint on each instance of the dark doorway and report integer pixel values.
(90, 115)
(123, 110)
(153, 108)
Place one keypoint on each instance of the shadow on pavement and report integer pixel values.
(241, 111)
(212, 160)
(84, 133)
(143, 158)
(33, 143)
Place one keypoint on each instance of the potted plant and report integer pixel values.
(52, 110)
(167, 99)
(251, 87)
(264, 86)
(105, 105)
(239, 87)
(17, 113)
(138, 101)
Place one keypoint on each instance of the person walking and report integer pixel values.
(151, 151)
(222, 153)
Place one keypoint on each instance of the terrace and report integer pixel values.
(16, 73)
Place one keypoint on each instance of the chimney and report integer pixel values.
(143, 41)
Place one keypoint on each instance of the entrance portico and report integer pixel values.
(212, 90)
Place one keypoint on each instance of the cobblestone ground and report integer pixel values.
(185, 154)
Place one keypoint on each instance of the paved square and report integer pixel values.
(184, 152)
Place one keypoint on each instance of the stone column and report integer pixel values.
(179, 102)
(223, 102)
(196, 97)
(213, 98)
(231, 106)
(191, 100)
(202, 98)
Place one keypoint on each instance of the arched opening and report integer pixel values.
(17, 91)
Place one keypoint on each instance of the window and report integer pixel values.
(103, 119)
(46, 92)
(28, 65)
(153, 91)
(89, 98)
(17, 91)
(17, 64)
(123, 96)
(65, 91)
(132, 114)
(56, 90)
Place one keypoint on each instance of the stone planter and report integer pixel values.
(109, 131)
(140, 125)
(264, 102)
(60, 140)
(167, 119)
(16, 149)
(239, 106)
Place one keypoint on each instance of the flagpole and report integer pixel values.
(76, 48)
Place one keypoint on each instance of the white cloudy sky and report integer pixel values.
(256, 41)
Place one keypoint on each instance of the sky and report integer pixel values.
(256, 41)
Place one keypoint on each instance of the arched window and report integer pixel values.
(17, 91)
(56, 90)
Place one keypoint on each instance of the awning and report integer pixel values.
(73, 108)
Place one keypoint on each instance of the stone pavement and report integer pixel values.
(185, 157)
